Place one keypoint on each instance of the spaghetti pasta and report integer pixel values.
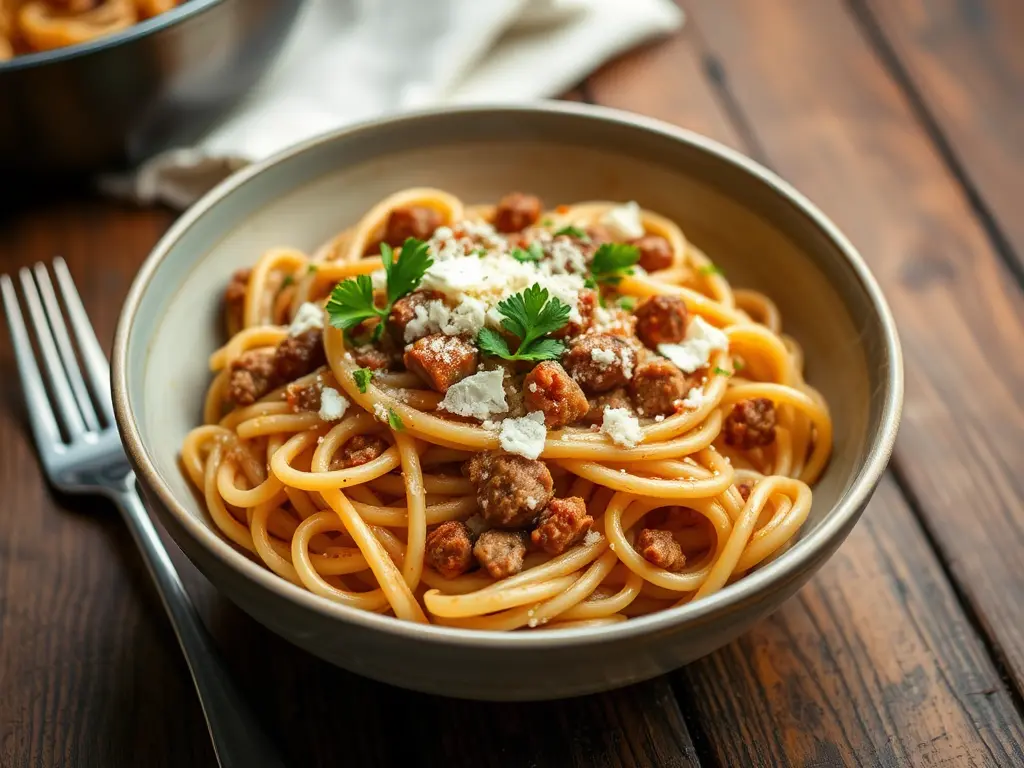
(28, 26)
(506, 418)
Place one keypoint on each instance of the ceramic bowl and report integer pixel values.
(761, 231)
(116, 100)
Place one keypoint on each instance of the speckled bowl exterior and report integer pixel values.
(762, 232)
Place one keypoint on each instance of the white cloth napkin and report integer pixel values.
(348, 60)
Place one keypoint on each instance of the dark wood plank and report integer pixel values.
(874, 662)
(90, 673)
(829, 118)
(964, 63)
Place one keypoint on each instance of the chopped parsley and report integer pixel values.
(361, 376)
(722, 371)
(627, 303)
(395, 421)
(529, 316)
(352, 300)
(737, 365)
(481, 252)
(311, 269)
(571, 231)
(612, 262)
(534, 252)
(288, 280)
(710, 269)
(547, 221)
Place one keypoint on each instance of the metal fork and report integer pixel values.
(81, 452)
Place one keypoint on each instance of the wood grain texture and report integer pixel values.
(874, 663)
(90, 672)
(962, 61)
(829, 118)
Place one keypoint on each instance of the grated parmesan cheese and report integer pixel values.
(481, 395)
(623, 221)
(622, 427)
(701, 340)
(332, 404)
(603, 357)
(566, 257)
(696, 398)
(381, 412)
(308, 317)
(524, 436)
(591, 538)
(435, 317)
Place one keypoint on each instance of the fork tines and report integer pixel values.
(80, 408)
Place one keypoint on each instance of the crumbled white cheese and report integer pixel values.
(591, 538)
(531, 503)
(696, 398)
(379, 280)
(435, 317)
(461, 272)
(332, 404)
(442, 233)
(455, 276)
(701, 340)
(628, 357)
(623, 221)
(566, 257)
(308, 317)
(481, 395)
(622, 427)
(603, 357)
(484, 232)
(700, 329)
(532, 386)
(524, 436)
(381, 412)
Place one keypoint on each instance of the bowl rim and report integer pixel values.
(169, 18)
(787, 567)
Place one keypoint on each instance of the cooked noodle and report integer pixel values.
(355, 531)
(28, 26)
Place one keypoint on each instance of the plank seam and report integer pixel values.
(988, 641)
(890, 60)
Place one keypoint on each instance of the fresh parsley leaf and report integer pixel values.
(529, 316)
(351, 303)
(535, 252)
(710, 269)
(361, 376)
(722, 371)
(288, 280)
(613, 261)
(492, 343)
(571, 231)
(601, 301)
(541, 349)
(395, 421)
(405, 272)
(589, 282)
(627, 303)
(311, 269)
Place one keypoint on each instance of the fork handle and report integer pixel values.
(238, 740)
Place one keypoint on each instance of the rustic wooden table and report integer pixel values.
(904, 120)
